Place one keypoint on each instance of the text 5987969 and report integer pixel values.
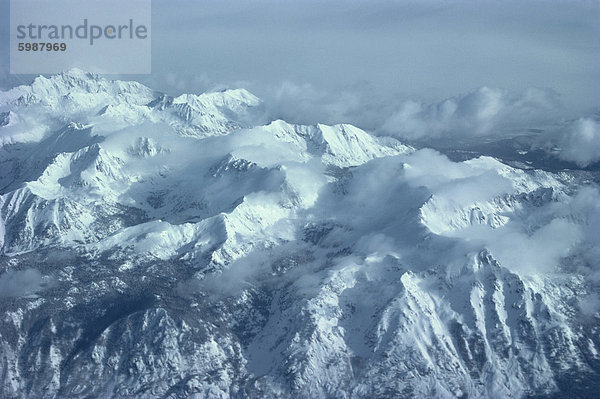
(41, 46)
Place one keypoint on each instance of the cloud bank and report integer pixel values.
(482, 112)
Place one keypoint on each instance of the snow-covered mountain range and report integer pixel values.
(171, 247)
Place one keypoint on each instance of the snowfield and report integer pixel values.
(164, 247)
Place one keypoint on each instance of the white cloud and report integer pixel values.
(485, 111)
(306, 103)
(16, 283)
(539, 252)
(580, 142)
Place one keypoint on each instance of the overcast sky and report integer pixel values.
(358, 60)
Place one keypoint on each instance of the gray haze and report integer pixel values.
(360, 61)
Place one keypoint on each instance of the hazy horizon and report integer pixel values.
(359, 62)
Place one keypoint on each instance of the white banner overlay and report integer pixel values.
(108, 36)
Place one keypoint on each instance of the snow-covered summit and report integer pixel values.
(76, 88)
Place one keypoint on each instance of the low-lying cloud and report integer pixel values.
(15, 283)
(482, 112)
(579, 142)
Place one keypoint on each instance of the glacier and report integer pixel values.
(172, 247)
